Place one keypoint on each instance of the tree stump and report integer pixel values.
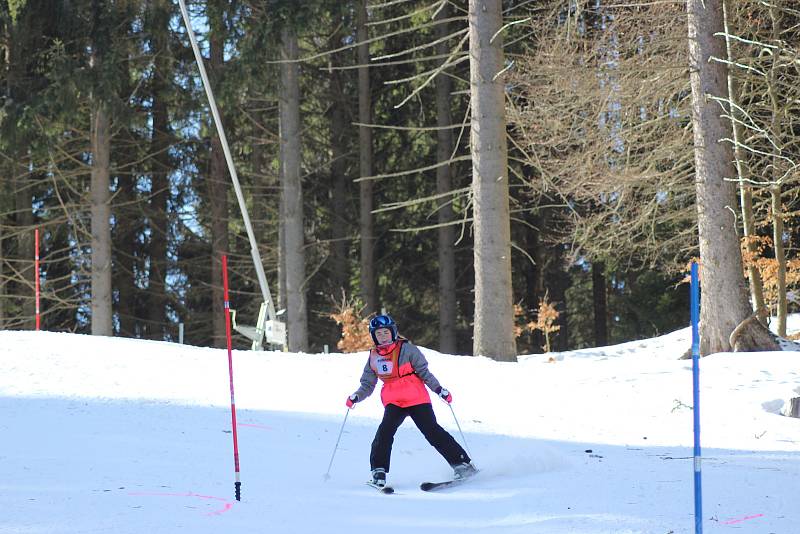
(752, 336)
(794, 408)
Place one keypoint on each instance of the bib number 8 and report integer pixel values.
(385, 367)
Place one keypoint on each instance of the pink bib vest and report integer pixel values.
(401, 386)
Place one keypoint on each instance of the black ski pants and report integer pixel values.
(425, 419)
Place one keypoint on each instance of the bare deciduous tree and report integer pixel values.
(745, 186)
(764, 105)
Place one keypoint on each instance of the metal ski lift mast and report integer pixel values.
(262, 277)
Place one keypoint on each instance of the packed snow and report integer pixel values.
(130, 436)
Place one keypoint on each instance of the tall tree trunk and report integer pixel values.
(778, 168)
(444, 149)
(724, 296)
(261, 185)
(5, 178)
(2, 281)
(534, 273)
(745, 189)
(217, 187)
(100, 193)
(125, 234)
(281, 239)
(369, 284)
(101, 223)
(558, 281)
(494, 316)
(19, 288)
(600, 304)
(24, 210)
(160, 167)
(776, 207)
(340, 226)
(4, 193)
(126, 218)
(297, 320)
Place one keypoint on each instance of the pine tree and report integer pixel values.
(100, 182)
(724, 299)
(292, 219)
(493, 295)
(369, 287)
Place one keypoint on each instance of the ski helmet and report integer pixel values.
(382, 321)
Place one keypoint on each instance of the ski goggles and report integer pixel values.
(381, 321)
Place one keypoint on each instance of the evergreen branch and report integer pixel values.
(430, 79)
(406, 16)
(521, 4)
(442, 4)
(518, 39)
(432, 226)
(505, 26)
(517, 247)
(411, 128)
(388, 63)
(464, 123)
(408, 203)
(413, 171)
(388, 4)
(356, 45)
(466, 218)
(426, 45)
(462, 56)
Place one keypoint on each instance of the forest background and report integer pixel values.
(358, 114)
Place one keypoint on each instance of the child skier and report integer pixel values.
(404, 372)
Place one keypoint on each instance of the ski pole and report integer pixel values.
(328, 472)
(459, 429)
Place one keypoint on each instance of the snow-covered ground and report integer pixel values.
(123, 436)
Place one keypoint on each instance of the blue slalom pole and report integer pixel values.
(698, 490)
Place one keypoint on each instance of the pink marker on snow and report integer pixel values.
(742, 519)
(228, 505)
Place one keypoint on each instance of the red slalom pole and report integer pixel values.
(238, 483)
(36, 269)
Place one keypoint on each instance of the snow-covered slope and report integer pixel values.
(118, 435)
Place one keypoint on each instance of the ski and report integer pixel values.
(387, 490)
(433, 486)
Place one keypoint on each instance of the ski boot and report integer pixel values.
(463, 470)
(378, 477)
